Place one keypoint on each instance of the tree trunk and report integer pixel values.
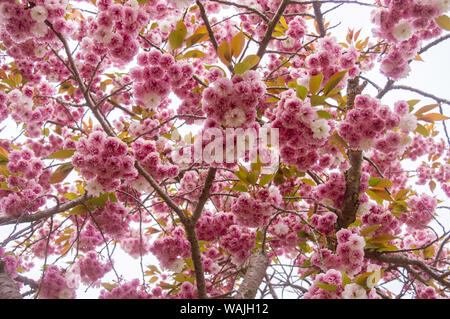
(256, 271)
(8, 287)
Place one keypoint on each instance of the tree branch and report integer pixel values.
(405, 262)
(256, 272)
(9, 220)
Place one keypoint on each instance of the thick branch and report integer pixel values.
(270, 28)
(204, 195)
(319, 18)
(80, 82)
(212, 38)
(243, 6)
(8, 220)
(197, 261)
(161, 193)
(8, 287)
(352, 184)
(405, 262)
(256, 272)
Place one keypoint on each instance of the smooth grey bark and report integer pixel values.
(254, 275)
(8, 287)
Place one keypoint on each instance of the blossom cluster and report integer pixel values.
(113, 32)
(350, 250)
(239, 241)
(233, 102)
(90, 269)
(283, 231)
(103, 161)
(404, 24)
(147, 154)
(25, 33)
(156, 76)
(211, 226)
(330, 58)
(54, 285)
(256, 212)
(368, 121)
(26, 174)
(171, 249)
(128, 290)
(301, 131)
(377, 215)
(135, 243)
(422, 210)
(19, 103)
(112, 219)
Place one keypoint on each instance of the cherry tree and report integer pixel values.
(232, 149)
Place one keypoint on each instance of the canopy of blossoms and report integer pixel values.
(138, 127)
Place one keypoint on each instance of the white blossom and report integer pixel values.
(280, 228)
(408, 122)
(93, 187)
(320, 128)
(354, 291)
(151, 100)
(402, 31)
(39, 13)
(235, 117)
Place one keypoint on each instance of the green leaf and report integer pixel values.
(61, 154)
(200, 35)
(317, 100)
(422, 130)
(324, 114)
(402, 194)
(388, 247)
(78, 210)
(379, 194)
(242, 174)
(99, 201)
(112, 197)
(333, 81)
(366, 231)
(272, 100)
(308, 181)
(326, 287)
(240, 187)
(345, 279)
(253, 177)
(224, 53)
(61, 173)
(411, 103)
(315, 83)
(249, 62)
(432, 185)
(266, 179)
(443, 21)
(237, 44)
(192, 54)
(105, 285)
(302, 92)
(3, 158)
(176, 37)
(362, 279)
(382, 238)
(380, 182)
(71, 196)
